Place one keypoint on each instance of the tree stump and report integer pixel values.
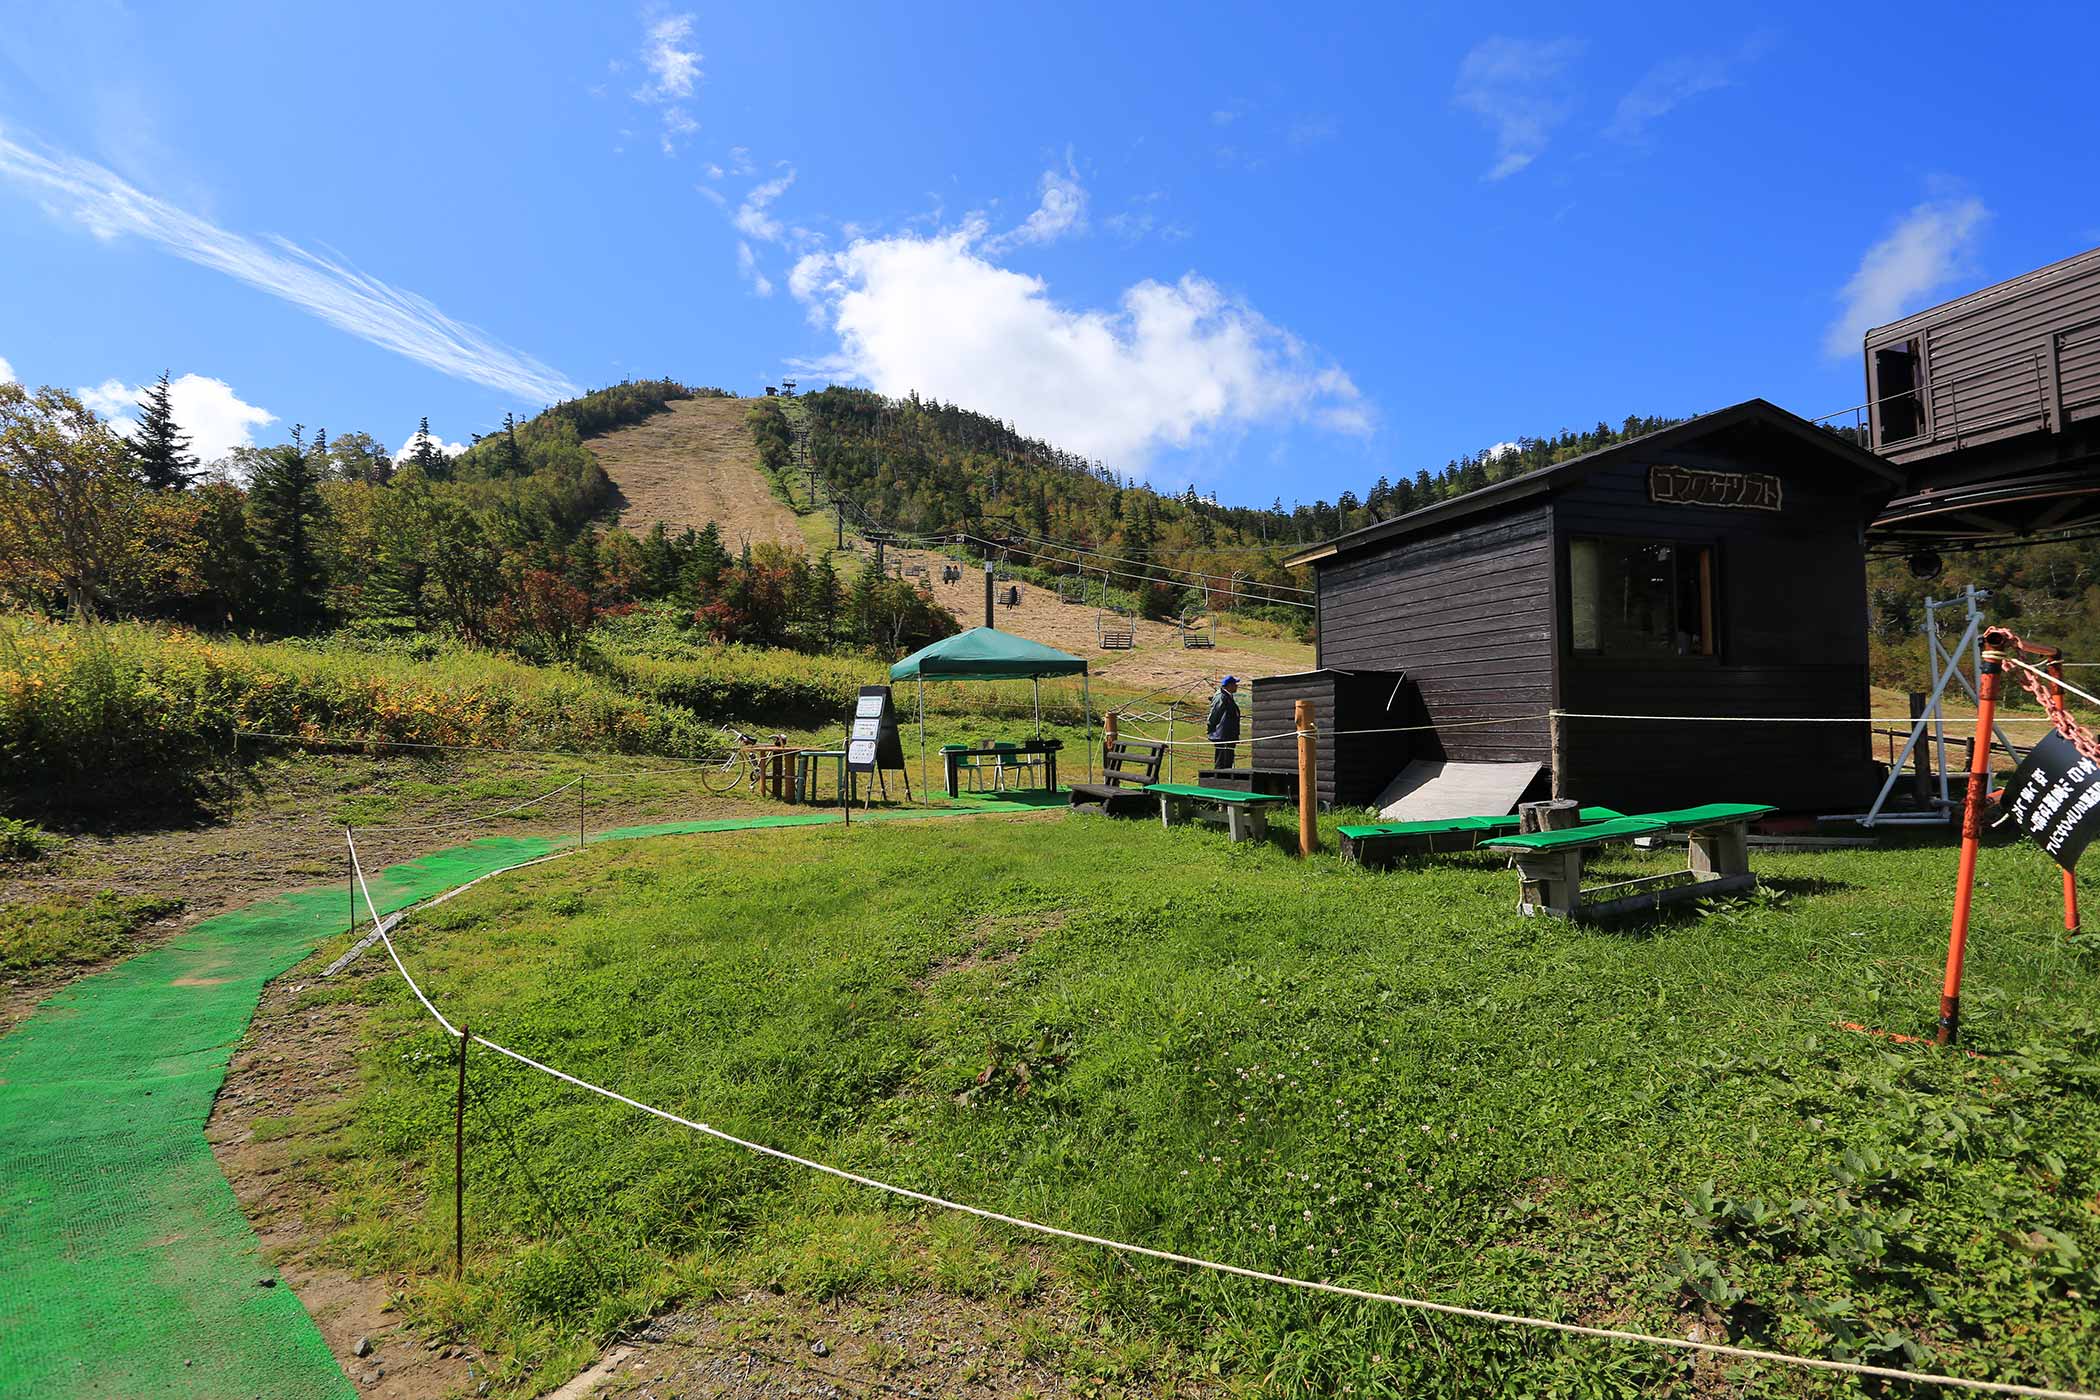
(1553, 814)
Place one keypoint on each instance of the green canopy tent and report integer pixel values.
(987, 654)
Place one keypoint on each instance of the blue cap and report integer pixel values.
(1230, 680)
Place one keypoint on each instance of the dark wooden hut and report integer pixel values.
(1713, 570)
(1355, 716)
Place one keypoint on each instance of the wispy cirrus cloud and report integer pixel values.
(1516, 87)
(1060, 210)
(318, 284)
(1674, 81)
(673, 66)
(1928, 248)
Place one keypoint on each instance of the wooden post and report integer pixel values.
(1971, 839)
(579, 812)
(353, 878)
(1554, 814)
(459, 1166)
(1556, 753)
(1308, 781)
(1921, 767)
(1108, 731)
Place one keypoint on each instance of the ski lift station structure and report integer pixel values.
(1685, 613)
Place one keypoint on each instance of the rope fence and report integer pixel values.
(383, 928)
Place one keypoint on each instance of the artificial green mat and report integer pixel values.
(126, 1267)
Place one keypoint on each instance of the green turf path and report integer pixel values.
(126, 1267)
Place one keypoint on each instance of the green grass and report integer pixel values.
(1389, 1080)
(69, 931)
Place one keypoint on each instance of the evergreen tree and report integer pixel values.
(704, 565)
(284, 509)
(161, 450)
(425, 455)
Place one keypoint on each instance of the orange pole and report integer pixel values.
(2056, 674)
(1971, 838)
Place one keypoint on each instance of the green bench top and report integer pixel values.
(1646, 824)
(1712, 813)
(1617, 829)
(1230, 796)
(1450, 825)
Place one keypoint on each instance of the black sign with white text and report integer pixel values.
(2054, 797)
(874, 743)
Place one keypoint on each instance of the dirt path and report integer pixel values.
(694, 463)
(1158, 661)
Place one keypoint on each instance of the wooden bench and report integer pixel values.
(1381, 844)
(1118, 638)
(1717, 861)
(1246, 813)
(1128, 767)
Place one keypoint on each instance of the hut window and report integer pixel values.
(1638, 598)
(1900, 408)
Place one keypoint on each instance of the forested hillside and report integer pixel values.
(923, 467)
(503, 544)
(2048, 593)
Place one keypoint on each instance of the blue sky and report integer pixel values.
(1212, 244)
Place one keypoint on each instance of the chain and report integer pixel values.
(2049, 697)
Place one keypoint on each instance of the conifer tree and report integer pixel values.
(425, 455)
(284, 507)
(159, 447)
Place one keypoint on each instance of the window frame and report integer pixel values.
(1705, 548)
(1920, 391)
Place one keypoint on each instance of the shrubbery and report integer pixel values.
(92, 715)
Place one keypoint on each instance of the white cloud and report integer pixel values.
(751, 218)
(7, 372)
(1500, 449)
(408, 448)
(1928, 248)
(1061, 210)
(1678, 80)
(207, 411)
(747, 265)
(678, 125)
(345, 298)
(1514, 86)
(674, 71)
(1168, 365)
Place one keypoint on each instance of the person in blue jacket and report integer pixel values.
(1222, 724)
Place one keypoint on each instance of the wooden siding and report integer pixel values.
(1467, 612)
(1791, 627)
(1351, 766)
(2004, 362)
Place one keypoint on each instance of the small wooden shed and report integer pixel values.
(1665, 594)
(1352, 759)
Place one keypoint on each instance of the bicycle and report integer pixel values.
(735, 768)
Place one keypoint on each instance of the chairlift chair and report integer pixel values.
(1199, 634)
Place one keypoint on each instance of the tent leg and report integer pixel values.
(922, 735)
(1037, 683)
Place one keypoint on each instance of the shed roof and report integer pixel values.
(1883, 475)
(986, 654)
